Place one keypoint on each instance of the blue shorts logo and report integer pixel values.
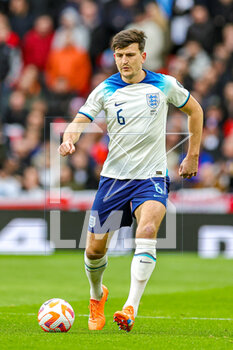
(92, 221)
(153, 100)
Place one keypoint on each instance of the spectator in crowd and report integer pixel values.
(98, 36)
(31, 184)
(68, 69)
(221, 58)
(222, 13)
(180, 21)
(228, 37)
(5, 56)
(3, 145)
(178, 67)
(21, 19)
(208, 176)
(12, 39)
(25, 146)
(41, 161)
(154, 24)
(67, 178)
(29, 83)
(71, 21)
(84, 174)
(37, 42)
(202, 28)
(118, 14)
(228, 100)
(198, 59)
(75, 104)
(227, 149)
(212, 133)
(10, 185)
(35, 122)
(10, 59)
(16, 111)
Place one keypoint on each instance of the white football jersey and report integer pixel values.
(136, 116)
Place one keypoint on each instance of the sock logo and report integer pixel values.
(146, 262)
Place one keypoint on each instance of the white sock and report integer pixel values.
(94, 271)
(142, 266)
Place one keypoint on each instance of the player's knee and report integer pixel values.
(146, 231)
(94, 253)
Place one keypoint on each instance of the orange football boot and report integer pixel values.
(125, 318)
(96, 320)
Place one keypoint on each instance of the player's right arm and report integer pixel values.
(72, 134)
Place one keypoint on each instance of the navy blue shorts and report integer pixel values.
(116, 201)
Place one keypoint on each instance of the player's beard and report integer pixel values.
(130, 73)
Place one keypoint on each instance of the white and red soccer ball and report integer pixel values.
(56, 315)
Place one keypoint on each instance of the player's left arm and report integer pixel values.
(189, 165)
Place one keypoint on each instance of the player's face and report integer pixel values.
(129, 61)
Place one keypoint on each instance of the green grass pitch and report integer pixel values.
(187, 303)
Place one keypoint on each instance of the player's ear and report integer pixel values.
(143, 57)
(114, 55)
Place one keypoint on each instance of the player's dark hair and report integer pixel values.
(128, 37)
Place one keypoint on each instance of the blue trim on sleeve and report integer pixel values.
(87, 115)
(184, 102)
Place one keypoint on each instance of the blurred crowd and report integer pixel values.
(53, 53)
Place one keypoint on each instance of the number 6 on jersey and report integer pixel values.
(120, 118)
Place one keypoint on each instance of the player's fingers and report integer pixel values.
(191, 175)
(64, 149)
(72, 149)
(180, 170)
(183, 173)
(60, 150)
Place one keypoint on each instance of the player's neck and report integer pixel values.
(135, 79)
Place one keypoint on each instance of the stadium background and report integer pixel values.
(53, 53)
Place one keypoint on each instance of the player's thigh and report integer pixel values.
(97, 244)
(149, 216)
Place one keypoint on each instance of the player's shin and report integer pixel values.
(142, 266)
(94, 271)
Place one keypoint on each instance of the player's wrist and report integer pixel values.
(193, 155)
(69, 140)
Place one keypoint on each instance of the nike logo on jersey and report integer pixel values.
(119, 104)
(145, 262)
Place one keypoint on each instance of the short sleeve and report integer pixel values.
(94, 103)
(176, 93)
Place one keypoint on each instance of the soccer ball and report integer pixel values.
(56, 315)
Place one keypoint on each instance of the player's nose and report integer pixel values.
(124, 59)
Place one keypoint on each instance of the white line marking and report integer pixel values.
(188, 318)
(149, 317)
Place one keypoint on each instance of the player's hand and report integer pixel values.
(189, 167)
(66, 148)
